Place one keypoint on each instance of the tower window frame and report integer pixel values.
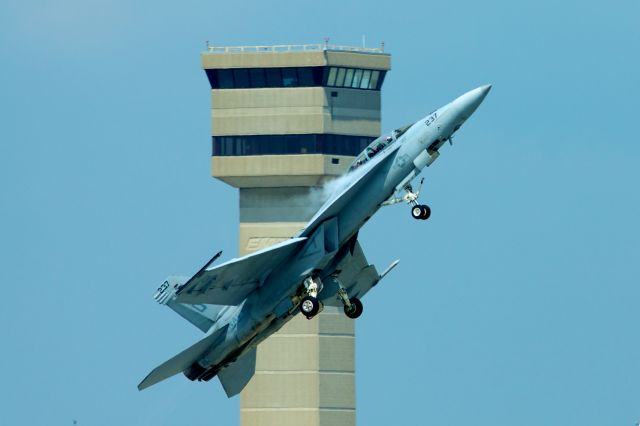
(313, 76)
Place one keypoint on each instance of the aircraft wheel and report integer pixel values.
(309, 306)
(426, 212)
(416, 212)
(356, 308)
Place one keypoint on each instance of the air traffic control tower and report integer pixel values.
(284, 120)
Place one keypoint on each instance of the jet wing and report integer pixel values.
(231, 282)
(357, 275)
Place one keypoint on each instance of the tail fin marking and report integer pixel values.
(202, 316)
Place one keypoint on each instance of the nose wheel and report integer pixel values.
(420, 211)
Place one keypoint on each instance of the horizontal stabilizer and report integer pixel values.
(236, 376)
(183, 360)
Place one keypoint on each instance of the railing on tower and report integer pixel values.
(293, 48)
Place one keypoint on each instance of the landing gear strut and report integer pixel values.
(352, 306)
(418, 211)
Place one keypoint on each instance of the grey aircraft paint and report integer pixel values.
(241, 302)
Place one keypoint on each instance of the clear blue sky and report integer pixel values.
(515, 304)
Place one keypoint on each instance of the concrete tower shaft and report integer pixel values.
(284, 120)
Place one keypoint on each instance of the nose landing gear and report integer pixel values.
(418, 211)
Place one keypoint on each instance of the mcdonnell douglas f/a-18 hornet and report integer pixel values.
(241, 302)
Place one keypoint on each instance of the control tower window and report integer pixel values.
(241, 78)
(225, 79)
(340, 77)
(366, 77)
(274, 77)
(244, 78)
(331, 80)
(373, 83)
(256, 76)
(348, 78)
(356, 78)
(289, 77)
(288, 144)
(305, 77)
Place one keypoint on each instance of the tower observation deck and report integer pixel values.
(284, 120)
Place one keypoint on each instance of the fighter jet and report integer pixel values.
(241, 302)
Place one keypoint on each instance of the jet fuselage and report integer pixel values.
(274, 303)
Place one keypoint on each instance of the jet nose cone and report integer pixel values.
(470, 101)
(477, 95)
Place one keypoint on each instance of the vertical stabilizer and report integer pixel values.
(236, 376)
(201, 315)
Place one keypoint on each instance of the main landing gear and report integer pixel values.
(310, 306)
(352, 306)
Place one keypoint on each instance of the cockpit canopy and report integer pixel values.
(378, 146)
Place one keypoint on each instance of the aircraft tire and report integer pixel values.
(356, 309)
(416, 212)
(426, 212)
(310, 306)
